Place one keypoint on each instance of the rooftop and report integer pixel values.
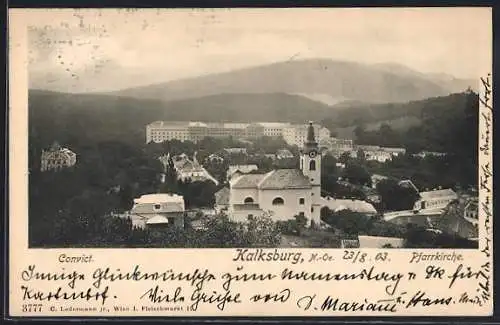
(284, 179)
(437, 194)
(159, 198)
(352, 205)
(158, 219)
(242, 168)
(273, 124)
(247, 181)
(222, 196)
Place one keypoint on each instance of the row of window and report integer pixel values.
(437, 202)
(276, 201)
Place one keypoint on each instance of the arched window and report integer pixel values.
(248, 200)
(278, 201)
(312, 165)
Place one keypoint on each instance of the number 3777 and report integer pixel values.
(32, 308)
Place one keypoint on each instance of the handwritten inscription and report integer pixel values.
(169, 290)
(483, 293)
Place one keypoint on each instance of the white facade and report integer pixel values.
(437, 199)
(282, 193)
(57, 158)
(271, 129)
(297, 134)
(161, 131)
(158, 209)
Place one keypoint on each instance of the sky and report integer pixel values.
(109, 49)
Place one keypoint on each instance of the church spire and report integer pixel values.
(311, 139)
(310, 133)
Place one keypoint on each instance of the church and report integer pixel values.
(282, 193)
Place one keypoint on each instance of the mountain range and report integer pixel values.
(323, 80)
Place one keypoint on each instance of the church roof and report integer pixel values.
(284, 179)
(222, 196)
(247, 181)
(275, 179)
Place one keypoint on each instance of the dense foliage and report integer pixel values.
(351, 224)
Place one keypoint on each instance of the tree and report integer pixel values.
(345, 157)
(170, 184)
(360, 155)
(126, 198)
(262, 231)
(329, 173)
(359, 132)
(300, 223)
(357, 174)
(350, 222)
(396, 197)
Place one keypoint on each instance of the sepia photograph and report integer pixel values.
(232, 128)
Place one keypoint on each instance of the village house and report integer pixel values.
(335, 146)
(213, 158)
(376, 178)
(436, 199)
(359, 206)
(380, 154)
(424, 154)
(236, 151)
(242, 169)
(158, 210)
(284, 154)
(56, 158)
(471, 211)
(188, 169)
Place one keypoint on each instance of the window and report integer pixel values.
(248, 200)
(301, 200)
(278, 201)
(157, 206)
(312, 165)
(312, 209)
(301, 214)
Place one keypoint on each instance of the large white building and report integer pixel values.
(161, 131)
(283, 193)
(273, 129)
(297, 134)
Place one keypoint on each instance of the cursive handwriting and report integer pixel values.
(30, 274)
(421, 299)
(158, 295)
(244, 277)
(58, 294)
(196, 278)
(462, 272)
(365, 274)
(220, 299)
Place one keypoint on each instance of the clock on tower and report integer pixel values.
(310, 159)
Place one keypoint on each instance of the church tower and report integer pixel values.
(310, 164)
